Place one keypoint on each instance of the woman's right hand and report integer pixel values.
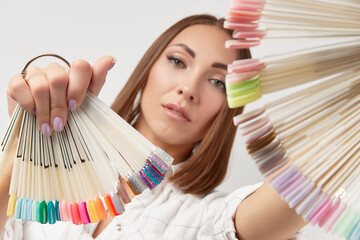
(52, 91)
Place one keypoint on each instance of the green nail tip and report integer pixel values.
(34, 211)
(350, 226)
(41, 213)
(340, 223)
(250, 83)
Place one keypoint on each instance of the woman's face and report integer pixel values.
(186, 87)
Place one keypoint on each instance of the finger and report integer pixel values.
(79, 79)
(58, 80)
(19, 92)
(100, 70)
(40, 91)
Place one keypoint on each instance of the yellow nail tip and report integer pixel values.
(11, 206)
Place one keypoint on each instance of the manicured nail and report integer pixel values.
(45, 128)
(72, 105)
(112, 64)
(33, 112)
(58, 124)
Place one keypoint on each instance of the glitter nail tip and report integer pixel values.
(136, 182)
(164, 156)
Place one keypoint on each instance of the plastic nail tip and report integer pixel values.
(242, 118)
(255, 135)
(308, 201)
(298, 196)
(29, 210)
(34, 211)
(18, 208)
(331, 212)
(41, 212)
(11, 206)
(356, 233)
(314, 207)
(276, 168)
(164, 156)
(352, 232)
(69, 208)
(51, 212)
(334, 218)
(249, 128)
(90, 211)
(241, 44)
(118, 205)
(145, 179)
(339, 226)
(350, 226)
(272, 162)
(321, 212)
(75, 214)
(293, 187)
(249, 34)
(154, 168)
(100, 209)
(64, 211)
(57, 211)
(283, 177)
(158, 162)
(150, 176)
(23, 209)
(154, 171)
(85, 218)
(232, 79)
(246, 65)
(136, 183)
(241, 26)
(121, 191)
(96, 216)
(110, 205)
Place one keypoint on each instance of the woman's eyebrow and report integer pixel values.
(186, 48)
(219, 65)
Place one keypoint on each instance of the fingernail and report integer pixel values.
(33, 112)
(45, 128)
(112, 64)
(58, 124)
(72, 105)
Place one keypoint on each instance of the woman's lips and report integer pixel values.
(176, 112)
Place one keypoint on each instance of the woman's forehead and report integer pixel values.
(204, 39)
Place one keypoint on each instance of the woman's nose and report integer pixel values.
(189, 91)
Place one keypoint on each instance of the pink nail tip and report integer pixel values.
(249, 34)
(241, 44)
(240, 26)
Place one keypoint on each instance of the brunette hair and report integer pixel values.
(206, 168)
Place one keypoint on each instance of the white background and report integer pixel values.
(123, 29)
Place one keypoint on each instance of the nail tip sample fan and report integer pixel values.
(71, 174)
(311, 134)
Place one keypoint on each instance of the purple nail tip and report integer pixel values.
(72, 105)
(141, 174)
(291, 188)
(283, 177)
(45, 129)
(160, 163)
(58, 124)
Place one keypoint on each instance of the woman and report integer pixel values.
(183, 110)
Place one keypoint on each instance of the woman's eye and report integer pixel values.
(218, 83)
(176, 61)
